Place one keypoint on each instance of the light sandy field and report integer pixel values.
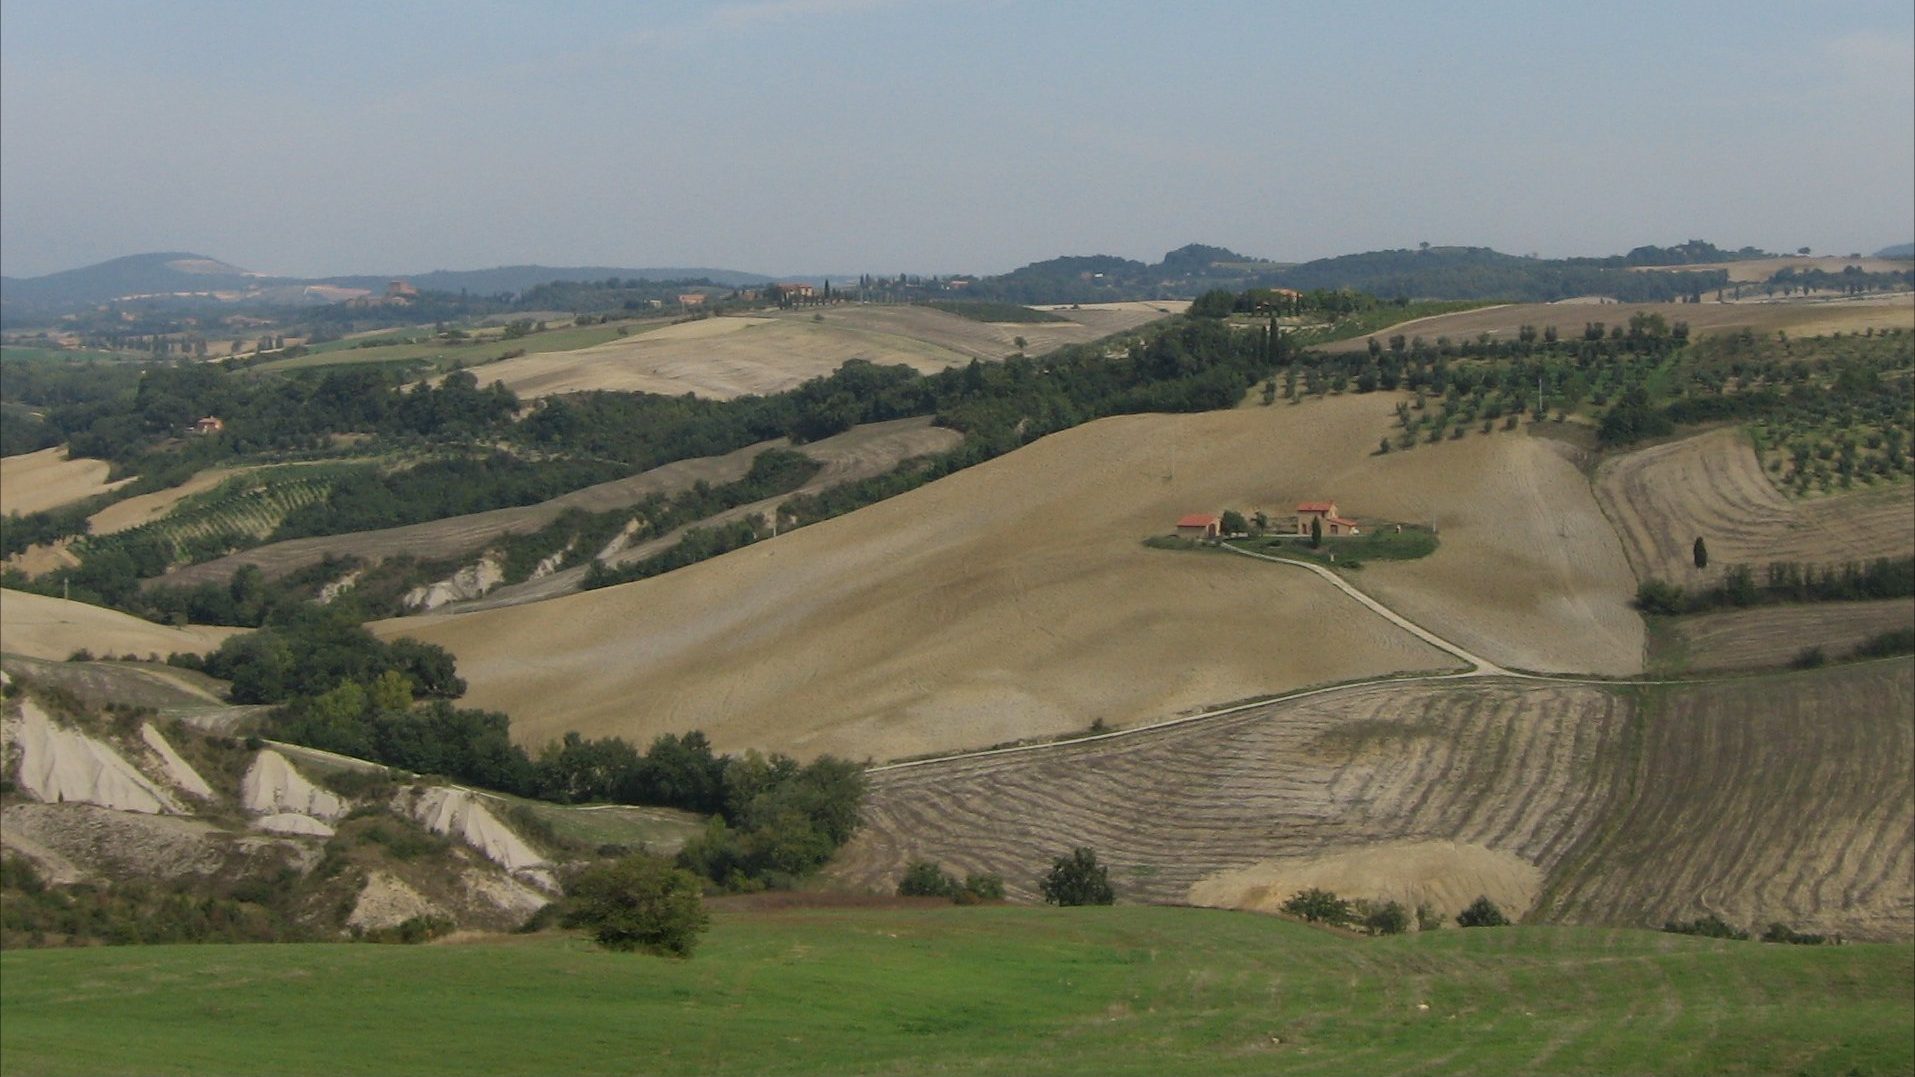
(1775, 635)
(1757, 270)
(1801, 318)
(145, 508)
(1014, 600)
(1712, 485)
(858, 453)
(1528, 573)
(727, 357)
(1783, 798)
(41, 627)
(37, 481)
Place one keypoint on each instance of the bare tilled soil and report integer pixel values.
(1481, 786)
(1802, 317)
(857, 453)
(1712, 486)
(1775, 798)
(1776, 635)
(727, 357)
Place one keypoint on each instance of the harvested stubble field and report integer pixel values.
(1015, 599)
(858, 453)
(1782, 798)
(1776, 635)
(1798, 318)
(928, 989)
(41, 627)
(1757, 270)
(37, 481)
(1787, 797)
(1712, 486)
(727, 357)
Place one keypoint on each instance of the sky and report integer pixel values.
(847, 136)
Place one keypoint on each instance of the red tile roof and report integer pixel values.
(1341, 520)
(1200, 519)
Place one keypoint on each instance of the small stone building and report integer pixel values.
(1334, 522)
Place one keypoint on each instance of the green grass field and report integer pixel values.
(1129, 990)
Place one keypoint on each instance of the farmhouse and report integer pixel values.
(211, 424)
(692, 299)
(1334, 523)
(785, 293)
(1200, 525)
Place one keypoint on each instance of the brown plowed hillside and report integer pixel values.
(1711, 485)
(1786, 798)
(1484, 767)
(41, 627)
(1799, 318)
(1014, 599)
(37, 481)
(1775, 635)
(1779, 798)
(858, 453)
(727, 357)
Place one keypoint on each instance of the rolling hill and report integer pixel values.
(1015, 599)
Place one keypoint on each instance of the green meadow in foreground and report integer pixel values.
(1125, 990)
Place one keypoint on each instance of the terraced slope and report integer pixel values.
(1711, 485)
(1780, 798)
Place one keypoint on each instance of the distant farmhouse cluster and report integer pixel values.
(1310, 516)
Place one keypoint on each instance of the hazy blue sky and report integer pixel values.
(840, 136)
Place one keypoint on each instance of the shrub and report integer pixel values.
(984, 886)
(924, 878)
(1482, 913)
(1809, 658)
(1318, 906)
(1077, 879)
(1427, 919)
(1709, 927)
(1389, 918)
(1781, 932)
(638, 903)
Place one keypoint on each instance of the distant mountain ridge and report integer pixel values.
(173, 272)
(1900, 250)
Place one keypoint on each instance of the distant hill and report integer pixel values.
(1482, 273)
(135, 274)
(174, 272)
(1900, 250)
(520, 278)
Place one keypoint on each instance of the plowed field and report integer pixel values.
(1711, 485)
(1775, 635)
(1786, 798)
(1780, 798)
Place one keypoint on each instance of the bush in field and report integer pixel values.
(1482, 913)
(639, 903)
(924, 878)
(1781, 932)
(1077, 879)
(981, 886)
(1709, 927)
(1318, 906)
(1389, 918)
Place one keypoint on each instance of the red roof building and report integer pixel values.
(1200, 525)
(1334, 523)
